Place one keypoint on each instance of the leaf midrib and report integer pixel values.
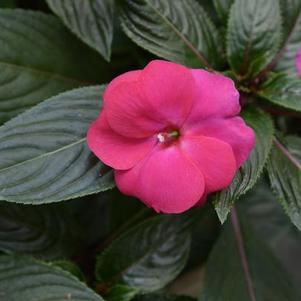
(44, 155)
(44, 73)
(198, 53)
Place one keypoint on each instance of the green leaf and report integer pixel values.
(23, 278)
(121, 293)
(90, 20)
(284, 168)
(38, 59)
(163, 297)
(148, 256)
(70, 267)
(44, 156)
(43, 231)
(225, 277)
(254, 35)
(223, 8)
(249, 173)
(282, 90)
(291, 10)
(179, 31)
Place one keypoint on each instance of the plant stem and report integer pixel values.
(242, 253)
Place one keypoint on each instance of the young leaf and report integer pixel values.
(44, 156)
(23, 278)
(223, 7)
(254, 35)
(70, 267)
(90, 20)
(43, 231)
(38, 59)
(284, 170)
(148, 256)
(282, 90)
(292, 36)
(163, 297)
(179, 31)
(121, 293)
(226, 277)
(248, 174)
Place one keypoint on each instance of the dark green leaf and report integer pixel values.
(163, 297)
(225, 278)
(223, 7)
(70, 267)
(248, 174)
(39, 58)
(121, 293)
(44, 156)
(254, 35)
(284, 169)
(282, 90)
(23, 278)
(179, 31)
(44, 231)
(148, 256)
(291, 10)
(90, 20)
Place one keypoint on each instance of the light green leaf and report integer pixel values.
(282, 90)
(248, 174)
(284, 170)
(121, 293)
(23, 278)
(90, 20)
(254, 35)
(226, 279)
(179, 31)
(44, 157)
(148, 256)
(291, 10)
(38, 59)
(223, 7)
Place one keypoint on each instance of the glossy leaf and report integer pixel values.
(284, 169)
(43, 231)
(90, 20)
(225, 278)
(291, 10)
(44, 156)
(23, 278)
(148, 256)
(179, 31)
(248, 174)
(254, 35)
(70, 267)
(121, 293)
(38, 59)
(282, 90)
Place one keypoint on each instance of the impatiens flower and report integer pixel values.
(298, 61)
(171, 134)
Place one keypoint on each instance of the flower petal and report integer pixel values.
(214, 158)
(128, 112)
(233, 130)
(166, 181)
(298, 61)
(216, 97)
(170, 87)
(115, 150)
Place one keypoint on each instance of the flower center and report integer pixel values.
(164, 137)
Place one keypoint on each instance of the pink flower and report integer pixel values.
(172, 134)
(298, 61)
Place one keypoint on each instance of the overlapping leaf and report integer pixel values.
(248, 174)
(285, 175)
(38, 59)
(179, 31)
(90, 20)
(254, 35)
(148, 256)
(23, 278)
(43, 153)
